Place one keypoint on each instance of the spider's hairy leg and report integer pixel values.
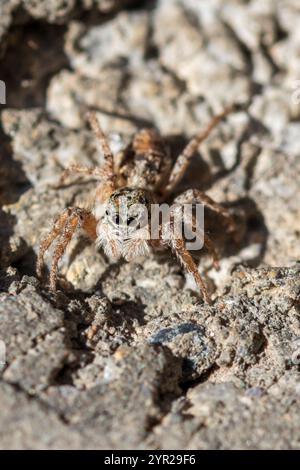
(45, 244)
(179, 248)
(184, 159)
(191, 221)
(60, 248)
(83, 170)
(196, 196)
(109, 183)
(108, 155)
(64, 229)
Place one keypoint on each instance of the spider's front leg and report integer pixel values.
(63, 230)
(170, 234)
(179, 248)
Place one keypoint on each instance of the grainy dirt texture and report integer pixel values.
(128, 355)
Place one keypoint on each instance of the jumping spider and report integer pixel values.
(144, 175)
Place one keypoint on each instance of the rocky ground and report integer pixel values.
(128, 355)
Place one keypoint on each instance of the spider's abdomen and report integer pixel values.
(147, 162)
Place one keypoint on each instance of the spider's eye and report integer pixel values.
(106, 212)
(116, 219)
(130, 220)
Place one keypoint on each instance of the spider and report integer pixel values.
(144, 175)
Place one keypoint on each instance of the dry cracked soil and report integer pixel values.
(127, 355)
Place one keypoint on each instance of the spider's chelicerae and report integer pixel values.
(144, 176)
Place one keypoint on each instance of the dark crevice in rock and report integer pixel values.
(33, 55)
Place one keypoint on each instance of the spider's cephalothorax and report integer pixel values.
(119, 220)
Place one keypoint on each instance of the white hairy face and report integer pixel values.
(124, 228)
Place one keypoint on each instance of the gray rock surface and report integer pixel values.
(127, 355)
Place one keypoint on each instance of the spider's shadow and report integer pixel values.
(176, 144)
(250, 220)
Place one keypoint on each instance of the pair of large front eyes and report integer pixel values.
(117, 220)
